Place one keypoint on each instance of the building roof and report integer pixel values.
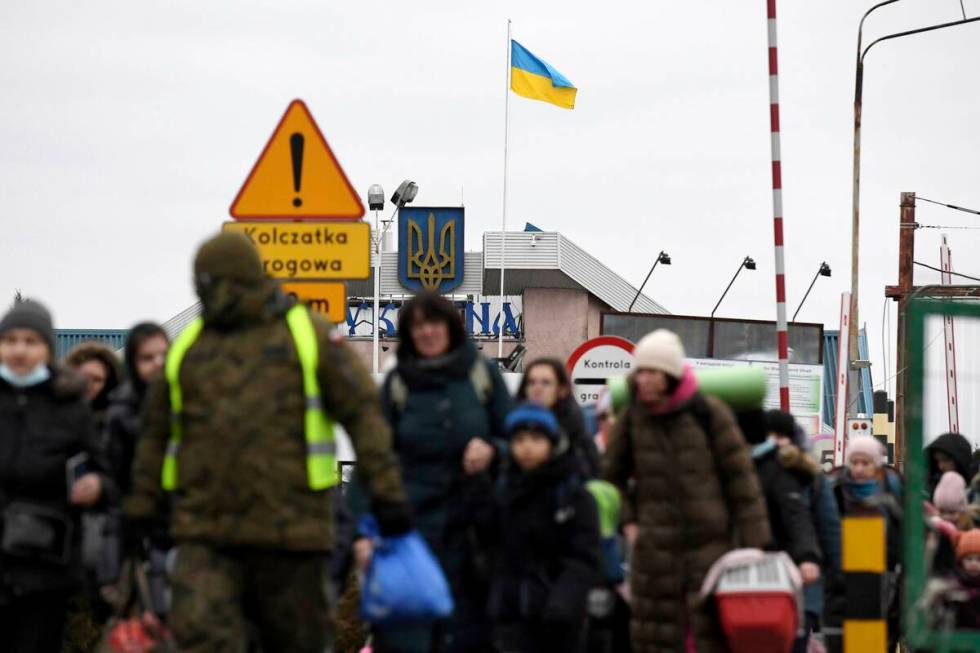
(176, 324)
(548, 259)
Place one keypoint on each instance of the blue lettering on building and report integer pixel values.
(471, 319)
(477, 321)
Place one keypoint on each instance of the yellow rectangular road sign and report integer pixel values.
(328, 298)
(310, 250)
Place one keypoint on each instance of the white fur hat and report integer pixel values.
(660, 350)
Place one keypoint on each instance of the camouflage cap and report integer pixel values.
(229, 256)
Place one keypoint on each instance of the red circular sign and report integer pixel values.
(588, 345)
(592, 365)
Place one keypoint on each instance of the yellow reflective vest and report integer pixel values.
(321, 451)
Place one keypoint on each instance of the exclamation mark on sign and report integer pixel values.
(296, 142)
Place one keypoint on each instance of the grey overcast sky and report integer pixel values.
(126, 128)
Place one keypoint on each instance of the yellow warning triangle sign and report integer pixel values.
(297, 177)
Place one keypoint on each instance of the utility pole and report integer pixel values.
(852, 335)
(906, 255)
(902, 293)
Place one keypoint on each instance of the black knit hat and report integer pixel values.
(782, 423)
(30, 314)
(752, 422)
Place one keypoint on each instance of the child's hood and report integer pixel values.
(796, 460)
(956, 447)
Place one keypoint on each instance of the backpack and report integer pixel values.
(608, 502)
(479, 377)
(608, 506)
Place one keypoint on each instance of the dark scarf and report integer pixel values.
(422, 374)
(518, 485)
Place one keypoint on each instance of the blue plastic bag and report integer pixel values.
(404, 583)
(612, 560)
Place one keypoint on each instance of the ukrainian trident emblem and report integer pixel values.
(430, 248)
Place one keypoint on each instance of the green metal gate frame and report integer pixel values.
(917, 631)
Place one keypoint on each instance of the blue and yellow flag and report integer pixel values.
(535, 79)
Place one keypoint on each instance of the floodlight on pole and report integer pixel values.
(747, 263)
(376, 202)
(662, 257)
(822, 271)
(376, 197)
(405, 193)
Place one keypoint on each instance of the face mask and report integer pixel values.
(39, 374)
(761, 449)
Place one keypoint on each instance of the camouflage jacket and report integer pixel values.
(242, 463)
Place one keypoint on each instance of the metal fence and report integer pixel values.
(928, 603)
(68, 339)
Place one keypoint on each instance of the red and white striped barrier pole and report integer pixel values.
(946, 263)
(782, 330)
(840, 404)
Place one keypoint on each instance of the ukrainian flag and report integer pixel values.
(535, 79)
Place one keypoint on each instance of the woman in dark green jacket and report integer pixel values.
(446, 405)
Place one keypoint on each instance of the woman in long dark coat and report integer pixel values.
(696, 496)
(446, 405)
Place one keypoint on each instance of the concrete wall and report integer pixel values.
(556, 321)
(596, 306)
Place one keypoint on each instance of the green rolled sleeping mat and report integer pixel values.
(739, 387)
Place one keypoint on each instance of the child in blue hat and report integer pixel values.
(548, 540)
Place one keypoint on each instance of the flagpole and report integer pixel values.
(503, 220)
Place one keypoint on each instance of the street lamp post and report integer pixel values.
(822, 271)
(376, 202)
(662, 257)
(747, 263)
(405, 193)
(852, 331)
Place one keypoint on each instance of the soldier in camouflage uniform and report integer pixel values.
(252, 537)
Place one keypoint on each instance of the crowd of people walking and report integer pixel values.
(213, 458)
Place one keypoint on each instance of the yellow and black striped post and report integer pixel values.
(864, 565)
